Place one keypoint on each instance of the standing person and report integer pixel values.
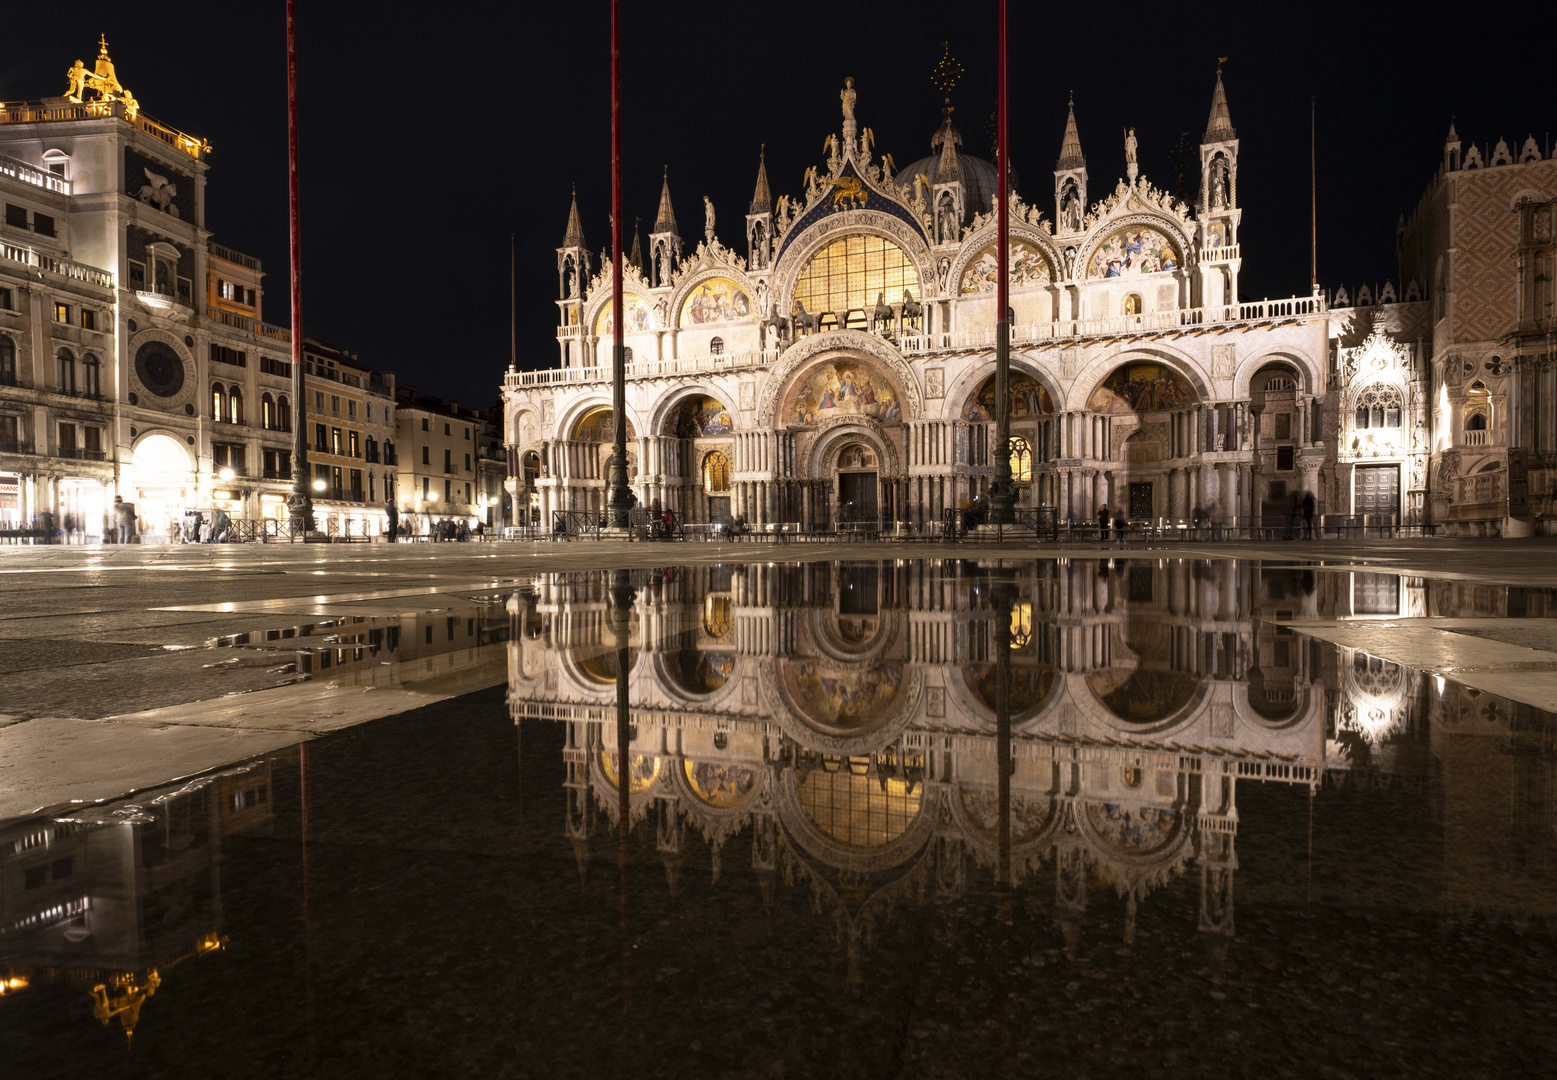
(1308, 515)
(1102, 522)
(1197, 517)
(123, 515)
(392, 514)
(1119, 524)
(1289, 509)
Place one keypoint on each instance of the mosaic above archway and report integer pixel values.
(1134, 830)
(847, 700)
(637, 316)
(1028, 398)
(1141, 388)
(642, 771)
(1133, 252)
(596, 426)
(844, 388)
(1142, 697)
(715, 300)
(720, 786)
(698, 416)
(1028, 267)
(1028, 814)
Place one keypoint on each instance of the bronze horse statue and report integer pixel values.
(803, 319)
(881, 313)
(911, 307)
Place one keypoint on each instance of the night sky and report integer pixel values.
(429, 136)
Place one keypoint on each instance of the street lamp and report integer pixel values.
(226, 474)
(319, 485)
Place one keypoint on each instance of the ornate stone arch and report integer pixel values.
(831, 440)
(602, 297)
(576, 409)
(841, 343)
(1311, 379)
(1090, 377)
(678, 392)
(798, 253)
(973, 376)
(715, 268)
(1163, 223)
(977, 241)
(518, 414)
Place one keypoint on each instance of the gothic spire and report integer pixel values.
(1070, 147)
(635, 257)
(574, 234)
(946, 141)
(1220, 127)
(762, 198)
(665, 220)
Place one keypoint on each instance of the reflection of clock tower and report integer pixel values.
(1218, 210)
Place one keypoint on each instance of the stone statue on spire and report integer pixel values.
(847, 96)
(708, 219)
(1132, 169)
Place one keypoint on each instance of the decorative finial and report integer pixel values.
(1220, 60)
(102, 44)
(947, 72)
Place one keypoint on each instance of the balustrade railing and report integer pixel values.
(919, 343)
(17, 169)
(248, 325)
(65, 268)
(34, 112)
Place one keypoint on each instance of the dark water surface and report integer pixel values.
(1217, 846)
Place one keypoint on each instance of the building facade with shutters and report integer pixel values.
(842, 368)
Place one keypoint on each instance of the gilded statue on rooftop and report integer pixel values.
(101, 79)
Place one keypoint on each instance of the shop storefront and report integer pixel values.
(164, 488)
(10, 501)
(83, 509)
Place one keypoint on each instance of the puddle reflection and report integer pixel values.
(946, 800)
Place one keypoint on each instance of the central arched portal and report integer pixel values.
(1144, 413)
(843, 420)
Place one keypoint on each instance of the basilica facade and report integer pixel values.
(842, 368)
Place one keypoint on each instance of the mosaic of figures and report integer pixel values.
(1028, 398)
(715, 300)
(699, 416)
(844, 388)
(1132, 252)
(841, 698)
(1141, 388)
(637, 316)
(719, 785)
(1133, 829)
(1028, 267)
(596, 426)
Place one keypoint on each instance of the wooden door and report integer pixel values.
(1378, 489)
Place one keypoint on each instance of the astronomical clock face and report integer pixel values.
(159, 369)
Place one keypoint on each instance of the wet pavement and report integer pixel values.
(1254, 815)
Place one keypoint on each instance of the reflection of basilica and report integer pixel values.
(851, 716)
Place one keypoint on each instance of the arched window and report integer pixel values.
(1278, 383)
(1132, 304)
(627, 354)
(218, 403)
(716, 473)
(283, 413)
(65, 372)
(1378, 406)
(389, 452)
(91, 376)
(1021, 460)
(7, 361)
(716, 347)
(850, 273)
(1476, 422)
(267, 412)
(235, 405)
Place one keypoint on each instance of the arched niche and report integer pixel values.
(597, 425)
(697, 416)
(712, 301)
(842, 387)
(1028, 398)
(1141, 386)
(1133, 251)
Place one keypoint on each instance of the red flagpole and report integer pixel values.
(1002, 490)
(302, 509)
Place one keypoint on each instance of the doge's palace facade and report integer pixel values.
(843, 368)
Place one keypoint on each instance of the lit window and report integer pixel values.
(716, 347)
(62, 313)
(1132, 304)
(716, 473)
(1021, 460)
(849, 274)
